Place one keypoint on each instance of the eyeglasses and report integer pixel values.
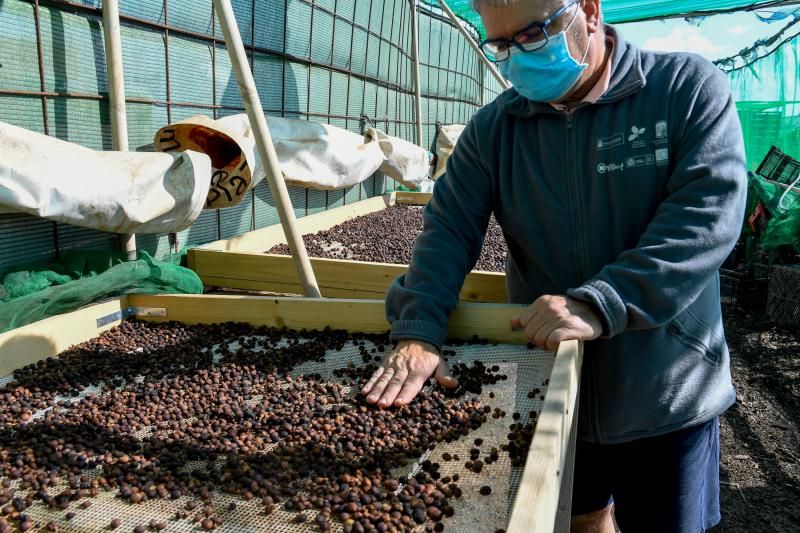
(530, 38)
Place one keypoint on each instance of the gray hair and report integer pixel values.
(476, 4)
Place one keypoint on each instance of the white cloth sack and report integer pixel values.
(445, 144)
(404, 162)
(121, 192)
(310, 154)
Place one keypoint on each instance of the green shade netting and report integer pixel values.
(617, 11)
(767, 95)
(783, 229)
(80, 278)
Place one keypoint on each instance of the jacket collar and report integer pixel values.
(626, 78)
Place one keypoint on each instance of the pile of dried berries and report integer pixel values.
(365, 239)
(223, 399)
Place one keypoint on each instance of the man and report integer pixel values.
(618, 177)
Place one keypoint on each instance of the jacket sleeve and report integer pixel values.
(694, 228)
(419, 303)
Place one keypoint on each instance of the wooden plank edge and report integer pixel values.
(412, 198)
(289, 288)
(364, 279)
(45, 338)
(536, 506)
(265, 238)
(490, 321)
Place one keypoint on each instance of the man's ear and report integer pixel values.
(594, 17)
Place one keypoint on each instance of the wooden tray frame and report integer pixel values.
(544, 496)
(240, 262)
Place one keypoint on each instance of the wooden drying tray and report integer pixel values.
(240, 262)
(544, 496)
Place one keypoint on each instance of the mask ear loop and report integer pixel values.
(582, 62)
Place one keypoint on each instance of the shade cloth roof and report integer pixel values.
(617, 11)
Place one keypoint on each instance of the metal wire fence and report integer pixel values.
(344, 62)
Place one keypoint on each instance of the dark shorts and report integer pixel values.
(668, 483)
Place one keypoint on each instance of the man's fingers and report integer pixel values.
(380, 385)
(444, 377)
(540, 338)
(522, 320)
(393, 387)
(556, 336)
(371, 383)
(535, 330)
(410, 389)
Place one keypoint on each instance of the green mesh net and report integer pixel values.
(765, 82)
(783, 204)
(80, 278)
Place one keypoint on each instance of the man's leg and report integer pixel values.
(668, 483)
(591, 496)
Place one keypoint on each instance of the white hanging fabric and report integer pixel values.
(445, 144)
(121, 192)
(404, 162)
(310, 154)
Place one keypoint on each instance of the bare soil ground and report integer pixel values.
(760, 434)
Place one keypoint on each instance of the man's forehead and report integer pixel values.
(504, 21)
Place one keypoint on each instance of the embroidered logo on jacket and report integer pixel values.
(602, 168)
(604, 143)
(635, 133)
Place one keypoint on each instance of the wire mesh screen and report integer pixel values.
(515, 400)
(344, 62)
(783, 298)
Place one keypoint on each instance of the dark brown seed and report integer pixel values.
(486, 490)
(115, 523)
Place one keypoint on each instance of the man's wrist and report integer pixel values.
(402, 343)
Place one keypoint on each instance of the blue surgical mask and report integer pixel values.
(546, 74)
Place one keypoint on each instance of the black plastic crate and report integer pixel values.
(779, 167)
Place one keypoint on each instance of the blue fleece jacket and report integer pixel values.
(630, 204)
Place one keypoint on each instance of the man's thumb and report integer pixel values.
(444, 377)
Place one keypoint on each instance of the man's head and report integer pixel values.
(582, 20)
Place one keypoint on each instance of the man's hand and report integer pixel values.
(552, 319)
(404, 373)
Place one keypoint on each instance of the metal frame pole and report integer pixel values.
(417, 88)
(266, 150)
(488, 64)
(116, 97)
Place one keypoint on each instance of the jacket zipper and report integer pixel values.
(577, 223)
(573, 189)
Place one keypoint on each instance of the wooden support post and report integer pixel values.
(417, 88)
(116, 97)
(266, 149)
